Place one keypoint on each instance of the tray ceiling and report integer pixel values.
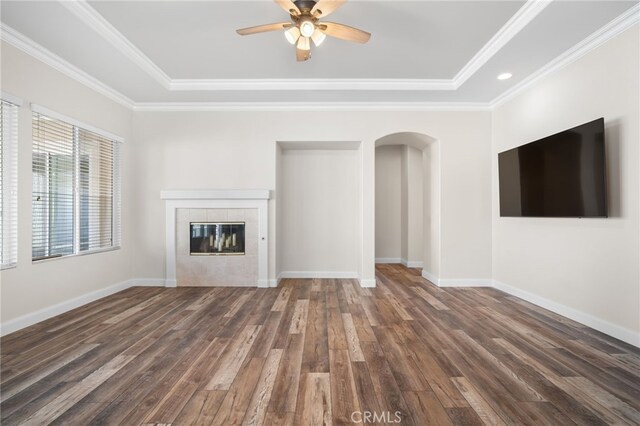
(420, 51)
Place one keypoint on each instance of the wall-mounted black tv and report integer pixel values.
(562, 175)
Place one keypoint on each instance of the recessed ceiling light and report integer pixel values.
(505, 76)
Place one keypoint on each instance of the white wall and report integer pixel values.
(320, 212)
(399, 204)
(32, 287)
(415, 218)
(388, 202)
(206, 150)
(589, 266)
(404, 201)
(431, 211)
(174, 150)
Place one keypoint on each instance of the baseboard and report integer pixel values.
(367, 283)
(465, 282)
(411, 263)
(388, 260)
(457, 282)
(263, 283)
(274, 282)
(51, 311)
(405, 262)
(317, 274)
(147, 282)
(613, 330)
(430, 277)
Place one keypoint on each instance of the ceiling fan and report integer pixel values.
(305, 25)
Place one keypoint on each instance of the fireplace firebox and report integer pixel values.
(217, 238)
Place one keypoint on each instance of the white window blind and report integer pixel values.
(76, 189)
(8, 184)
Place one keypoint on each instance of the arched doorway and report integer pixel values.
(408, 201)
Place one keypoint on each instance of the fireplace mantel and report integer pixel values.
(217, 199)
(216, 194)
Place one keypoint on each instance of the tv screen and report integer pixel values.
(562, 175)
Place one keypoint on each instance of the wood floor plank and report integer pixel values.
(337, 338)
(174, 401)
(202, 408)
(257, 410)
(425, 408)
(430, 299)
(353, 342)
(350, 294)
(403, 366)
(133, 310)
(316, 351)
(234, 405)
(479, 405)
(343, 388)
(299, 320)
(366, 392)
(66, 400)
(315, 400)
(315, 357)
(239, 303)
(233, 359)
(24, 381)
(602, 401)
(384, 383)
(285, 391)
(283, 298)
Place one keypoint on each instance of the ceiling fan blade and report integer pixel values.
(302, 55)
(288, 6)
(344, 32)
(325, 7)
(264, 28)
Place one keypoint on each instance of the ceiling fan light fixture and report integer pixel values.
(305, 25)
(307, 28)
(303, 43)
(318, 37)
(292, 35)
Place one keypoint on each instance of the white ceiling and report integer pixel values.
(420, 51)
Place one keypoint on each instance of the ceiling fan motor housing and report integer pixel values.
(305, 5)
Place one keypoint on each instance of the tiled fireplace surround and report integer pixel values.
(184, 207)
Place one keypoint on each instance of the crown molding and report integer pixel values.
(310, 106)
(86, 13)
(622, 23)
(612, 29)
(521, 19)
(31, 48)
(99, 24)
(350, 84)
(42, 54)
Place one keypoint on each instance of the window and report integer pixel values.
(76, 188)
(8, 184)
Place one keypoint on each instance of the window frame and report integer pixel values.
(116, 186)
(9, 181)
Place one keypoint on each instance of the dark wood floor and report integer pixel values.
(313, 352)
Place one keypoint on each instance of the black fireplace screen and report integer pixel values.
(215, 238)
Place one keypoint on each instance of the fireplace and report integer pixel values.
(216, 206)
(217, 238)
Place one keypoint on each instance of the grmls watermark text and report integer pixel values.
(375, 417)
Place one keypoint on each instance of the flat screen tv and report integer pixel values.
(562, 175)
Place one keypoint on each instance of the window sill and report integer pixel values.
(83, 253)
(9, 266)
